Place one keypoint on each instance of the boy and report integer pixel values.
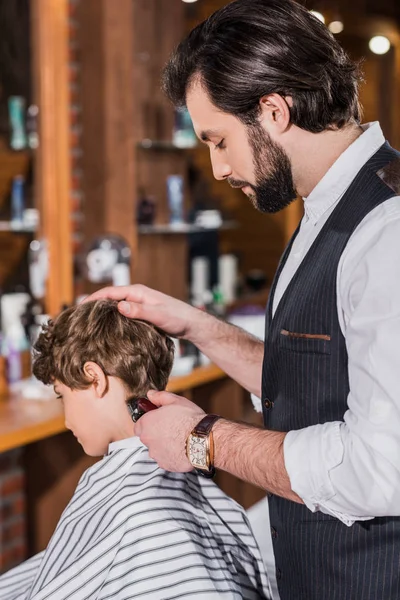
(131, 529)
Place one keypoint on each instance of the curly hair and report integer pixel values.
(138, 353)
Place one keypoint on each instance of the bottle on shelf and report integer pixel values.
(175, 199)
(15, 344)
(146, 209)
(17, 202)
(16, 110)
(218, 304)
(183, 134)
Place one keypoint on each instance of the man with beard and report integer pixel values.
(275, 98)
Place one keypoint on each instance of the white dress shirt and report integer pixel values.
(133, 530)
(351, 469)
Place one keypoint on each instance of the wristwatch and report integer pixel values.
(200, 446)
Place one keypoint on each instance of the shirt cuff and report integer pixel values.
(310, 454)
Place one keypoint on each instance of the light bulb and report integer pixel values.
(379, 44)
(189, 1)
(319, 15)
(336, 27)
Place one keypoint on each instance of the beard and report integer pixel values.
(274, 188)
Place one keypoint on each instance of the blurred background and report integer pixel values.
(102, 182)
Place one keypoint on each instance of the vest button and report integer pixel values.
(268, 403)
(278, 574)
(274, 533)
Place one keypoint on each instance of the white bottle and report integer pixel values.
(15, 342)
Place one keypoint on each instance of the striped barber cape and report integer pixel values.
(133, 530)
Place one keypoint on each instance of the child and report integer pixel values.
(131, 530)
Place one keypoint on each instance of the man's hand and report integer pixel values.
(141, 302)
(165, 430)
(236, 352)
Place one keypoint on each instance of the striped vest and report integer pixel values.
(305, 382)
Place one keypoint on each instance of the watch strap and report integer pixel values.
(206, 424)
(207, 474)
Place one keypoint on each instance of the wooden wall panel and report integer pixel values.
(52, 174)
(158, 26)
(144, 69)
(162, 264)
(107, 119)
(13, 249)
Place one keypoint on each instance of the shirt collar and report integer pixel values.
(336, 181)
(126, 444)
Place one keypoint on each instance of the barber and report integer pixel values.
(275, 98)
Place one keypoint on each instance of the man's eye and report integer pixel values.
(221, 145)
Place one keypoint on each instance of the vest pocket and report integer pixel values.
(305, 342)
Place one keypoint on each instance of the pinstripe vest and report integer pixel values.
(305, 382)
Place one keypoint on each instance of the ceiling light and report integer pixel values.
(379, 44)
(336, 27)
(189, 1)
(319, 15)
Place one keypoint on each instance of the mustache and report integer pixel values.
(237, 183)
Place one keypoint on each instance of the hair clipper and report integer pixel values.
(139, 406)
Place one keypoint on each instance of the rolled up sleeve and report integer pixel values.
(335, 472)
(351, 469)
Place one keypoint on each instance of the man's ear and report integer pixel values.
(97, 376)
(275, 112)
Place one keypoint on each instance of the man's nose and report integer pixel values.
(221, 169)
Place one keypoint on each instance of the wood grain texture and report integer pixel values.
(11, 165)
(158, 26)
(107, 119)
(52, 173)
(162, 264)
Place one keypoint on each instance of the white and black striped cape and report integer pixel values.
(133, 530)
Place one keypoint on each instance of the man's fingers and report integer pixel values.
(162, 398)
(146, 312)
(133, 293)
(166, 398)
(113, 293)
(129, 309)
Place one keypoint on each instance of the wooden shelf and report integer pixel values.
(10, 227)
(25, 421)
(182, 228)
(164, 146)
(198, 376)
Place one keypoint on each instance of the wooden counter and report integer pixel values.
(25, 421)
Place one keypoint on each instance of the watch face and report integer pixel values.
(198, 452)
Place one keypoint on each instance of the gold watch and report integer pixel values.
(200, 446)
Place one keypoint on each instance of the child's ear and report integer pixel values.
(97, 376)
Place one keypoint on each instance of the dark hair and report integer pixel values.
(251, 48)
(138, 353)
